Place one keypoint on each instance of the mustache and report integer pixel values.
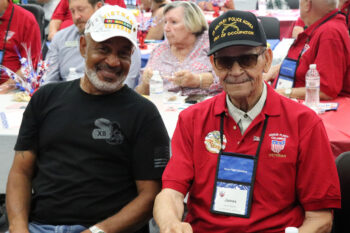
(106, 67)
(237, 80)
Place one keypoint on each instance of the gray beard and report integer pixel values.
(102, 85)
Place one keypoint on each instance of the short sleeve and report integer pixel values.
(28, 135)
(179, 172)
(317, 177)
(150, 153)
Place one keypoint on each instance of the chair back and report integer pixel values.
(293, 4)
(39, 14)
(341, 216)
(271, 26)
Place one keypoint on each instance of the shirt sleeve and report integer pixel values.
(61, 10)
(179, 172)
(27, 138)
(150, 152)
(317, 177)
(52, 59)
(331, 63)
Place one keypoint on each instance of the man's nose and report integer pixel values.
(236, 69)
(113, 60)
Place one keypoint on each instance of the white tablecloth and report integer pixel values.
(10, 120)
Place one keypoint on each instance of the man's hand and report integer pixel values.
(177, 227)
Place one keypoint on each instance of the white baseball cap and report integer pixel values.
(111, 21)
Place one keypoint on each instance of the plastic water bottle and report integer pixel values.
(72, 74)
(156, 89)
(291, 230)
(262, 7)
(312, 85)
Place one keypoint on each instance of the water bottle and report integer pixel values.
(72, 74)
(312, 85)
(156, 89)
(291, 230)
(262, 7)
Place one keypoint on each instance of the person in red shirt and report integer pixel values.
(325, 43)
(245, 157)
(62, 17)
(17, 27)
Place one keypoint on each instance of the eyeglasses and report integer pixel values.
(245, 61)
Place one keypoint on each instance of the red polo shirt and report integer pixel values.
(329, 49)
(300, 177)
(23, 29)
(63, 13)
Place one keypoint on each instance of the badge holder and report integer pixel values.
(234, 183)
(234, 179)
(287, 72)
(1, 55)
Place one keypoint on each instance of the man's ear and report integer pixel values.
(82, 46)
(98, 5)
(268, 59)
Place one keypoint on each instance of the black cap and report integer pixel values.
(235, 28)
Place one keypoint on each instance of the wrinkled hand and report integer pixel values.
(180, 227)
(146, 76)
(185, 78)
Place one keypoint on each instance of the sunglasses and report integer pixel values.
(245, 61)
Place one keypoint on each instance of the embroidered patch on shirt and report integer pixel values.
(278, 143)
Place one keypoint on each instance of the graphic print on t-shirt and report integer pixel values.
(110, 131)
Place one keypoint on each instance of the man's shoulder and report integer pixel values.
(25, 16)
(66, 33)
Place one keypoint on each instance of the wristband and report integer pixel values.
(96, 229)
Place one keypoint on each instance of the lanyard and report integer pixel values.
(7, 30)
(235, 178)
(222, 116)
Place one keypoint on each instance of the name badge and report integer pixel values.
(234, 183)
(72, 43)
(286, 75)
(1, 55)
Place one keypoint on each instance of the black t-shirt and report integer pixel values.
(90, 150)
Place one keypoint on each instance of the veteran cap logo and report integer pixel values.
(111, 21)
(235, 28)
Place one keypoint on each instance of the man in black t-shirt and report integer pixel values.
(90, 153)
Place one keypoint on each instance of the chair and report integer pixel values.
(293, 4)
(341, 216)
(39, 14)
(271, 26)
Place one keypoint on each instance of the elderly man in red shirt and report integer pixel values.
(325, 43)
(245, 156)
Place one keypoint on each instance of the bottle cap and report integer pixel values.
(155, 72)
(312, 66)
(291, 230)
(72, 69)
